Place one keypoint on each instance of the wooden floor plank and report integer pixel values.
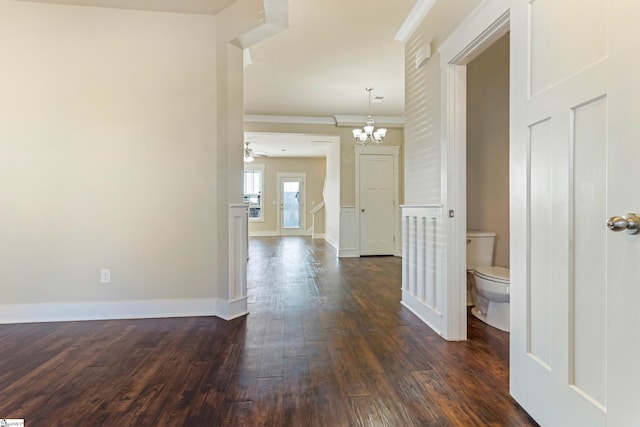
(327, 343)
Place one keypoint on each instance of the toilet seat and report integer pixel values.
(494, 274)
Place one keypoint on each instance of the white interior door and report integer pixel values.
(575, 163)
(291, 200)
(377, 204)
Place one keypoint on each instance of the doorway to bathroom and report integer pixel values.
(487, 181)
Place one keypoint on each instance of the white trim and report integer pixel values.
(348, 253)
(254, 166)
(348, 246)
(331, 241)
(422, 206)
(417, 15)
(381, 121)
(394, 151)
(229, 310)
(488, 22)
(260, 118)
(238, 250)
(276, 233)
(474, 35)
(318, 236)
(270, 233)
(246, 58)
(318, 207)
(419, 309)
(276, 19)
(106, 310)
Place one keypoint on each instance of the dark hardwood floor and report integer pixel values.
(327, 343)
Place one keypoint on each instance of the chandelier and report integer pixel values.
(248, 153)
(369, 134)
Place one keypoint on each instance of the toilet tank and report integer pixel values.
(480, 249)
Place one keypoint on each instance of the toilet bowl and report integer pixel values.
(492, 296)
(479, 253)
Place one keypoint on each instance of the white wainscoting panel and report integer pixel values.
(348, 232)
(422, 255)
(236, 305)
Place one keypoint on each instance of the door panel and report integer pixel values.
(588, 280)
(377, 181)
(574, 121)
(541, 243)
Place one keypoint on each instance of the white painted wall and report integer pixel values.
(423, 103)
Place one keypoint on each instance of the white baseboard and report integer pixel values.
(229, 310)
(331, 241)
(263, 233)
(105, 310)
(348, 253)
(318, 236)
(276, 233)
(428, 316)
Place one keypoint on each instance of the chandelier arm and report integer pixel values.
(368, 133)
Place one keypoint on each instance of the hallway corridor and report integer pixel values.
(327, 343)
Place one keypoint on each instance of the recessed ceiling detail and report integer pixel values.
(273, 144)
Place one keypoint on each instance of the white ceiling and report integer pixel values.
(289, 144)
(319, 66)
(199, 7)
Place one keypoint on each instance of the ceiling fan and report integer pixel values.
(250, 155)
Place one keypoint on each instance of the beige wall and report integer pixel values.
(394, 137)
(314, 168)
(110, 133)
(488, 146)
(423, 103)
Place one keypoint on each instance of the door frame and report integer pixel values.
(303, 212)
(485, 25)
(386, 150)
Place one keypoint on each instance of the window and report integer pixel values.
(254, 191)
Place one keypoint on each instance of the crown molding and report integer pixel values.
(418, 14)
(275, 19)
(386, 121)
(337, 120)
(306, 120)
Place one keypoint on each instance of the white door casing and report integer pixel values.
(376, 199)
(481, 29)
(574, 164)
(573, 161)
(296, 177)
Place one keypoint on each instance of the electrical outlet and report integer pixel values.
(105, 275)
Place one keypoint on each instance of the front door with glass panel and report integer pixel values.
(291, 199)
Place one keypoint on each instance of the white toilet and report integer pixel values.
(491, 283)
